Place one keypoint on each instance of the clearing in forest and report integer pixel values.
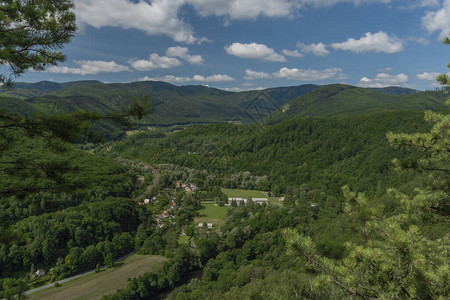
(211, 213)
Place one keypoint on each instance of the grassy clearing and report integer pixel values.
(212, 214)
(183, 239)
(243, 193)
(275, 201)
(95, 285)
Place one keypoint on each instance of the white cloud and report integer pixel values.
(428, 76)
(310, 75)
(196, 78)
(167, 78)
(213, 78)
(90, 67)
(419, 4)
(327, 3)
(383, 80)
(294, 53)
(156, 17)
(251, 9)
(253, 50)
(183, 52)
(239, 89)
(163, 16)
(155, 62)
(377, 42)
(438, 20)
(425, 3)
(419, 40)
(245, 9)
(318, 49)
(387, 69)
(252, 75)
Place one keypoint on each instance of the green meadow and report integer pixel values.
(243, 193)
(212, 213)
(95, 285)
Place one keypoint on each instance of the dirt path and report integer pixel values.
(150, 188)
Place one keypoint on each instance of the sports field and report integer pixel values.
(243, 193)
(95, 285)
(212, 213)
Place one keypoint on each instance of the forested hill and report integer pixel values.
(346, 100)
(171, 104)
(200, 104)
(321, 154)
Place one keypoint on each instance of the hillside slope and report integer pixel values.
(171, 104)
(346, 100)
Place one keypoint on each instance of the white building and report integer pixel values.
(237, 200)
(260, 200)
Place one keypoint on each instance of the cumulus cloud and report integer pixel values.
(438, 20)
(387, 69)
(428, 76)
(239, 89)
(252, 75)
(196, 78)
(156, 17)
(294, 53)
(318, 49)
(254, 50)
(377, 42)
(245, 9)
(309, 75)
(419, 40)
(213, 78)
(90, 67)
(327, 3)
(183, 52)
(383, 80)
(163, 16)
(155, 62)
(251, 9)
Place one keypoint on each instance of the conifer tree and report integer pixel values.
(31, 34)
(397, 261)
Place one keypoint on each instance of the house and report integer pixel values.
(146, 201)
(260, 200)
(39, 273)
(210, 225)
(281, 199)
(237, 200)
(200, 225)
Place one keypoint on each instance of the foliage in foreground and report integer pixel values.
(397, 260)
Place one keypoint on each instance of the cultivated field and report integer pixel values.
(95, 285)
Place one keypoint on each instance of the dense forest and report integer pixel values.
(81, 216)
(356, 179)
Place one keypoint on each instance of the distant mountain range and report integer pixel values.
(200, 104)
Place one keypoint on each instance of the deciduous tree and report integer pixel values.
(398, 259)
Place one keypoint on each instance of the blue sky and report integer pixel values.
(251, 44)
